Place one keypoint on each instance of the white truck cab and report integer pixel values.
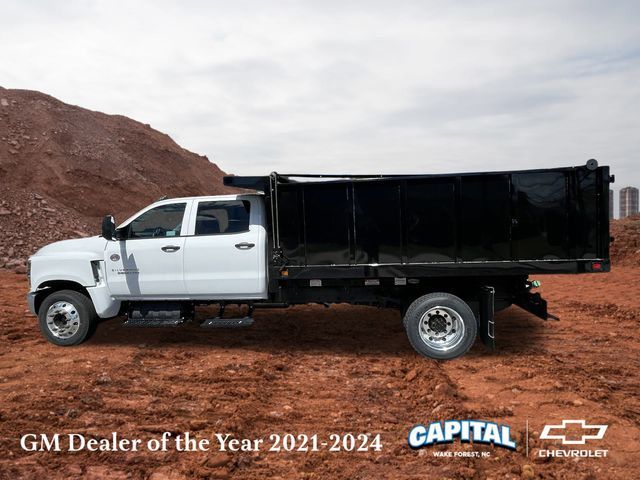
(193, 248)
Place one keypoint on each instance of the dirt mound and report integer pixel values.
(63, 167)
(28, 221)
(625, 249)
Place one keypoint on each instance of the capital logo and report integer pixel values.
(467, 431)
(559, 432)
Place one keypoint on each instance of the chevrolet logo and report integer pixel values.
(546, 432)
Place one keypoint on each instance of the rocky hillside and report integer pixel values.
(62, 167)
(625, 249)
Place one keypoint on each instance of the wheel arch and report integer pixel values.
(47, 288)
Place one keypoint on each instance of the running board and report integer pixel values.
(221, 322)
(218, 322)
(153, 322)
(156, 314)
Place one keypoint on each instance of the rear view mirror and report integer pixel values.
(108, 227)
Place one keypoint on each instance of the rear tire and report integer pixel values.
(67, 317)
(440, 326)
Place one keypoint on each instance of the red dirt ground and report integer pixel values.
(315, 370)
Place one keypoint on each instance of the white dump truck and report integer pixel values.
(446, 251)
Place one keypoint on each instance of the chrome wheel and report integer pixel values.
(441, 328)
(63, 320)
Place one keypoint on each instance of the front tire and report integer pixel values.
(67, 317)
(440, 326)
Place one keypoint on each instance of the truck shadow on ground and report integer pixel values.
(340, 329)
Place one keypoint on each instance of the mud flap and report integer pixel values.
(534, 303)
(487, 334)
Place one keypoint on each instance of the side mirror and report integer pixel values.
(108, 227)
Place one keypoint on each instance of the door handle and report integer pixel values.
(245, 245)
(170, 248)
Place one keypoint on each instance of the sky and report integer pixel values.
(348, 86)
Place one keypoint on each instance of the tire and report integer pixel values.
(67, 317)
(440, 326)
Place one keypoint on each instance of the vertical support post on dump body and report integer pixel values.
(487, 334)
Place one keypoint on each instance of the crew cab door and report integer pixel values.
(147, 260)
(225, 251)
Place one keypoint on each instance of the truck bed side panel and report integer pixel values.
(486, 221)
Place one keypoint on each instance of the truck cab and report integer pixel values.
(194, 248)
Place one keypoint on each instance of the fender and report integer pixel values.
(70, 268)
(71, 261)
(106, 306)
(67, 260)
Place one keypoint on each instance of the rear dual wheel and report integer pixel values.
(440, 326)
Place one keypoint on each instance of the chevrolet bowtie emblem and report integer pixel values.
(548, 429)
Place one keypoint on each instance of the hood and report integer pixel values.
(91, 245)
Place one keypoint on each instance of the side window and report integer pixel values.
(230, 216)
(162, 221)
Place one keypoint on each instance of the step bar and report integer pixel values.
(172, 314)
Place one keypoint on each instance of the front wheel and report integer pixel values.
(440, 325)
(67, 318)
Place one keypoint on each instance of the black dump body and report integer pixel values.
(498, 223)
(387, 240)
